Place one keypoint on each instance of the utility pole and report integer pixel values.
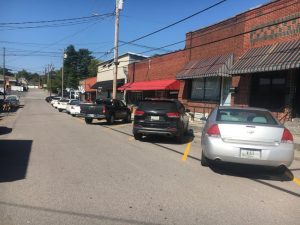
(4, 81)
(119, 6)
(62, 74)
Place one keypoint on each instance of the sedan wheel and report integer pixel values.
(204, 160)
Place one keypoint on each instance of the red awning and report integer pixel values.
(152, 85)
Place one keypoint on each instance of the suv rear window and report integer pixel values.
(158, 105)
(245, 116)
(105, 102)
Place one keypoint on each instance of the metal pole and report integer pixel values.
(116, 48)
(4, 81)
(62, 75)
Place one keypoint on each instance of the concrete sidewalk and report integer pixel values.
(197, 127)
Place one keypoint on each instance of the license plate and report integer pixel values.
(154, 117)
(90, 115)
(250, 153)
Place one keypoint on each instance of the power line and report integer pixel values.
(221, 28)
(166, 27)
(175, 23)
(57, 20)
(226, 38)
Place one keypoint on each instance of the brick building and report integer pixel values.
(251, 59)
(154, 77)
(264, 43)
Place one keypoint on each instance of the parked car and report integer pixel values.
(75, 110)
(62, 104)
(247, 136)
(160, 117)
(108, 109)
(49, 98)
(13, 100)
(55, 100)
(71, 103)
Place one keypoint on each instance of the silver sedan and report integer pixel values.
(247, 136)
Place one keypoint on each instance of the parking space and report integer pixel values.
(190, 152)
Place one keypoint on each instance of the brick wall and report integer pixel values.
(274, 22)
(157, 68)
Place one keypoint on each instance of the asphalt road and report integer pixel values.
(55, 169)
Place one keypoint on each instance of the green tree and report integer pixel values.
(93, 68)
(83, 61)
(70, 67)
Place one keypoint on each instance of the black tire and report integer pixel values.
(137, 136)
(180, 138)
(204, 160)
(60, 110)
(88, 120)
(73, 115)
(111, 119)
(128, 118)
(280, 170)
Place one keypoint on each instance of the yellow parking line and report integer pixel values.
(186, 151)
(296, 181)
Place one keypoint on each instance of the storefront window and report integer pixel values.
(206, 89)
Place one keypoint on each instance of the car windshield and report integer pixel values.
(245, 116)
(75, 102)
(64, 100)
(158, 105)
(11, 98)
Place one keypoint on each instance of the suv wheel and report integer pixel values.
(60, 110)
(88, 120)
(204, 160)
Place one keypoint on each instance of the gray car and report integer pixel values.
(247, 136)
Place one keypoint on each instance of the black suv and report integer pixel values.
(160, 117)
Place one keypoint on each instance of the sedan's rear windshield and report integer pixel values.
(74, 102)
(245, 116)
(158, 105)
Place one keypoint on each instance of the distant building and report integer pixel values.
(104, 85)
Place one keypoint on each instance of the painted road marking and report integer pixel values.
(131, 139)
(296, 181)
(186, 151)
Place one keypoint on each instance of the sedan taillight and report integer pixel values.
(173, 115)
(139, 113)
(214, 131)
(104, 110)
(287, 136)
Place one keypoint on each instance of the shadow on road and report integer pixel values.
(14, 158)
(5, 130)
(252, 172)
(102, 219)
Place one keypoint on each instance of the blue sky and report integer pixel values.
(33, 49)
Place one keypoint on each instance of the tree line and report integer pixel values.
(78, 65)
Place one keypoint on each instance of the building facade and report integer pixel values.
(154, 77)
(251, 59)
(104, 84)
